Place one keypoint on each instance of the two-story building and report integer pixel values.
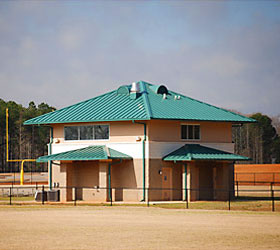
(139, 142)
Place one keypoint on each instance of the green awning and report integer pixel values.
(86, 154)
(191, 152)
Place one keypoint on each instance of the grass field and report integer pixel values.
(94, 227)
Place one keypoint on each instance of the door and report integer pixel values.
(206, 181)
(166, 184)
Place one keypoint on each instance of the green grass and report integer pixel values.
(236, 205)
(19, 198)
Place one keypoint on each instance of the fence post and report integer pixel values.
(237, 189)
(187, 198)
(229, 199)
(111, 198)
(75, 196)
(272, 197)
(10, 195)
(148, 204)
(43, 193)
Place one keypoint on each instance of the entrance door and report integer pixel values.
(166, 184)
(206, 182)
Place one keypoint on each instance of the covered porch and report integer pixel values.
(206, 173)
(89, 171)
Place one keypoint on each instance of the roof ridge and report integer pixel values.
(146, 99)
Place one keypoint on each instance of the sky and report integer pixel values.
(225, 53)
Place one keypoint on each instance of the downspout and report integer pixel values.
(110, 177)
(143, 157)
(50, 162)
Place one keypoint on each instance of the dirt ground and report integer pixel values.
(100, 228)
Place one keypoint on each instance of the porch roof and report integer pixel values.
(191, 152)
(100, 152)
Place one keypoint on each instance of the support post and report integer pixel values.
(22, 173)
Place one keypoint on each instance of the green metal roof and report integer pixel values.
(191, 152)
(86, 154)
(151, 102)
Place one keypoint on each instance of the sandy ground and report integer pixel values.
(135, 228)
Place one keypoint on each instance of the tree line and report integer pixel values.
(25, 142)
(260, 141)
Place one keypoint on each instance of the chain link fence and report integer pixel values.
(263, 198)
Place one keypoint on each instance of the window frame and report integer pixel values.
(188, 124)
(79, 133)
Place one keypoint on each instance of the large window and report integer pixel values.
(92, 132)
(190, 132)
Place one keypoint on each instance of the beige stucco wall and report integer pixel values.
(125, 131)
(157, 130)
(92, 176)
(170, 131)
(206, 180)
(155, 180)
(127, 181)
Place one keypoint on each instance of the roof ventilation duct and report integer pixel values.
(134, 87)
(159, 89)
(134, 91)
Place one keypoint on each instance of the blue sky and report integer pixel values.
(226, 53)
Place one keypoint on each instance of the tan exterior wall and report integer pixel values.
(170, 131)
(158, 130)
(156, 175)
(125, 131)
(127, 181)
(91, 177)
(206, 180)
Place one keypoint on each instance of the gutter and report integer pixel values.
(143, 157)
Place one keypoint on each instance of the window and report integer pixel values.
(93, 132)
(190, 132)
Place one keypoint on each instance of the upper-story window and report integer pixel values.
(91, 132)
(190, 132)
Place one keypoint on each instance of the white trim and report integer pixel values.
(133, 149)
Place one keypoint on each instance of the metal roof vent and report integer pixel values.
(159, 89)
(134, 87)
